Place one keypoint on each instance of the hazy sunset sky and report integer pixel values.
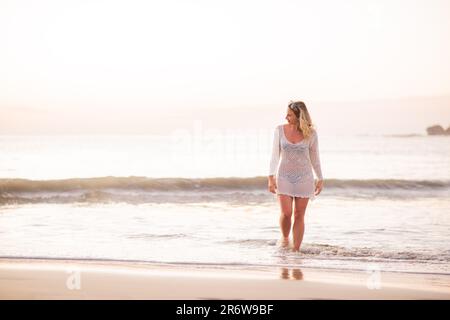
(73, 59)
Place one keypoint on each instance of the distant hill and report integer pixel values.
(400, 116)
(438, 130)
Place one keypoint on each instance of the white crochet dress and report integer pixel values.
(294, 173)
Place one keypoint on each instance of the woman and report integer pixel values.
(296, 144)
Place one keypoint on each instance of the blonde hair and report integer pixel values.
(305, 124)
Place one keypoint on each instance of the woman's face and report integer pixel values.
(290, 116)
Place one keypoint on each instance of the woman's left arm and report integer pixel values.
(314, 155)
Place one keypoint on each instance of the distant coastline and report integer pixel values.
(406, 135)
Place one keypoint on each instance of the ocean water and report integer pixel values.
(201, 199)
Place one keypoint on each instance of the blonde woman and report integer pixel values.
(295, 154)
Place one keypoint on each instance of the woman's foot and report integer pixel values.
(284, 242)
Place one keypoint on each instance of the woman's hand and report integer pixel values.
(319, 187)
(272, 185)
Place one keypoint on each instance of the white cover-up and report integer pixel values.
(294, 173)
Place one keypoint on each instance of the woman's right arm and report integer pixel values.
(275, 158)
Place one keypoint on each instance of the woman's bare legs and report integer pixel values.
(299, 223)
(285, 216)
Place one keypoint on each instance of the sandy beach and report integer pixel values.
(63, 279)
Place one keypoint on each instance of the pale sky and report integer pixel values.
(109, 58)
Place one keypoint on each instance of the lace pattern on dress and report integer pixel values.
(293, 164)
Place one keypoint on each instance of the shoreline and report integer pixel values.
(200, 265)
(97, 279)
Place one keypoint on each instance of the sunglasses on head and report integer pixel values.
(294, 107)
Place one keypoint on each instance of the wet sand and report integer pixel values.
(75, 279)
